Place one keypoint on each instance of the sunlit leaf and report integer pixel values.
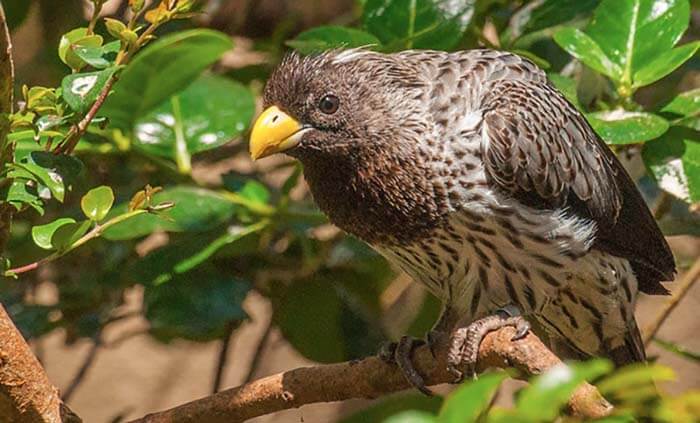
(621, 127)
(208, 113)
(584, 48)
(42, 234)
(66, 235)
(73, 39)
(632, 33)
(433, 24)
(80, 90)
(97, 203)
(548, 393)
(664, 64)
(411, 416)
(674, 161)
(687, 106)
(57, 172)
(471, 399)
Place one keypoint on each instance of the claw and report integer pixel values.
(400, 353)
(464, 347)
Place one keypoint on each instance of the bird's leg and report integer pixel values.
(465, 342)
(399, 353)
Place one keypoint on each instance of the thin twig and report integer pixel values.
(223, 358)
(257, 356)
(83, 370)
(684, 285)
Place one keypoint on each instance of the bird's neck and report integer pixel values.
(381, 198)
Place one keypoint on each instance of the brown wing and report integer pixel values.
(541, 150)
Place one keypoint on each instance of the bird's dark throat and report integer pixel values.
(380, 198)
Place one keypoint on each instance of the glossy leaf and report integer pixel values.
(584, 48)
(208, 113)
(57, 172)
(632, 33)
(548, 13)
(471, 399)
(197, 306)
(97, 203)
(329, 37)
(621, 127)
(548, 393)
(67, 234)
(433, 24)
(664, 64)
(42, 234)
(196, 210)
(162, 69)
(80, 90)
(97, 56)
(687, 106)
(73, 39)
(255, 191)
(674, 161)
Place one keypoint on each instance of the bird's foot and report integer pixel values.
(465, 342)
(399, 353)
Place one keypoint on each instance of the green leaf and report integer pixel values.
(66, 235)
(471, 399)
(197, 306)
(387, 407)
(674, 161)
(195, 210)
(314, 331)
(621, 127)
(329, 37)
(548, 393)
(432, 24)
(22, 192)
(548, 13)
(584, 48)
(57, 172)
(411, 416)
(636, 380)
(80, 90)
(208, 113)
(255, 191)
(72, 40)
(97, 203)
(42, 234)
(664, 64)
(95, 56)
(687, 106)
(632, 33)
(162, 69)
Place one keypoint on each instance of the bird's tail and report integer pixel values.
(632, 348)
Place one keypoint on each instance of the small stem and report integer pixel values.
(94, 233)
(97, 8)
(223, 358)
(684, 285)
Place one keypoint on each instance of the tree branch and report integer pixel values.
(26, 395)
(370, 378)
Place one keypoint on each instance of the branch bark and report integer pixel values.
(370, 378)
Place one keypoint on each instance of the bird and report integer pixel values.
(473, 174)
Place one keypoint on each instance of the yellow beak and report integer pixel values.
(274, 131)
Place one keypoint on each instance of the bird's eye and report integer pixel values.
(329, 104)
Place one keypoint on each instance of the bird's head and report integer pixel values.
(337, 103)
